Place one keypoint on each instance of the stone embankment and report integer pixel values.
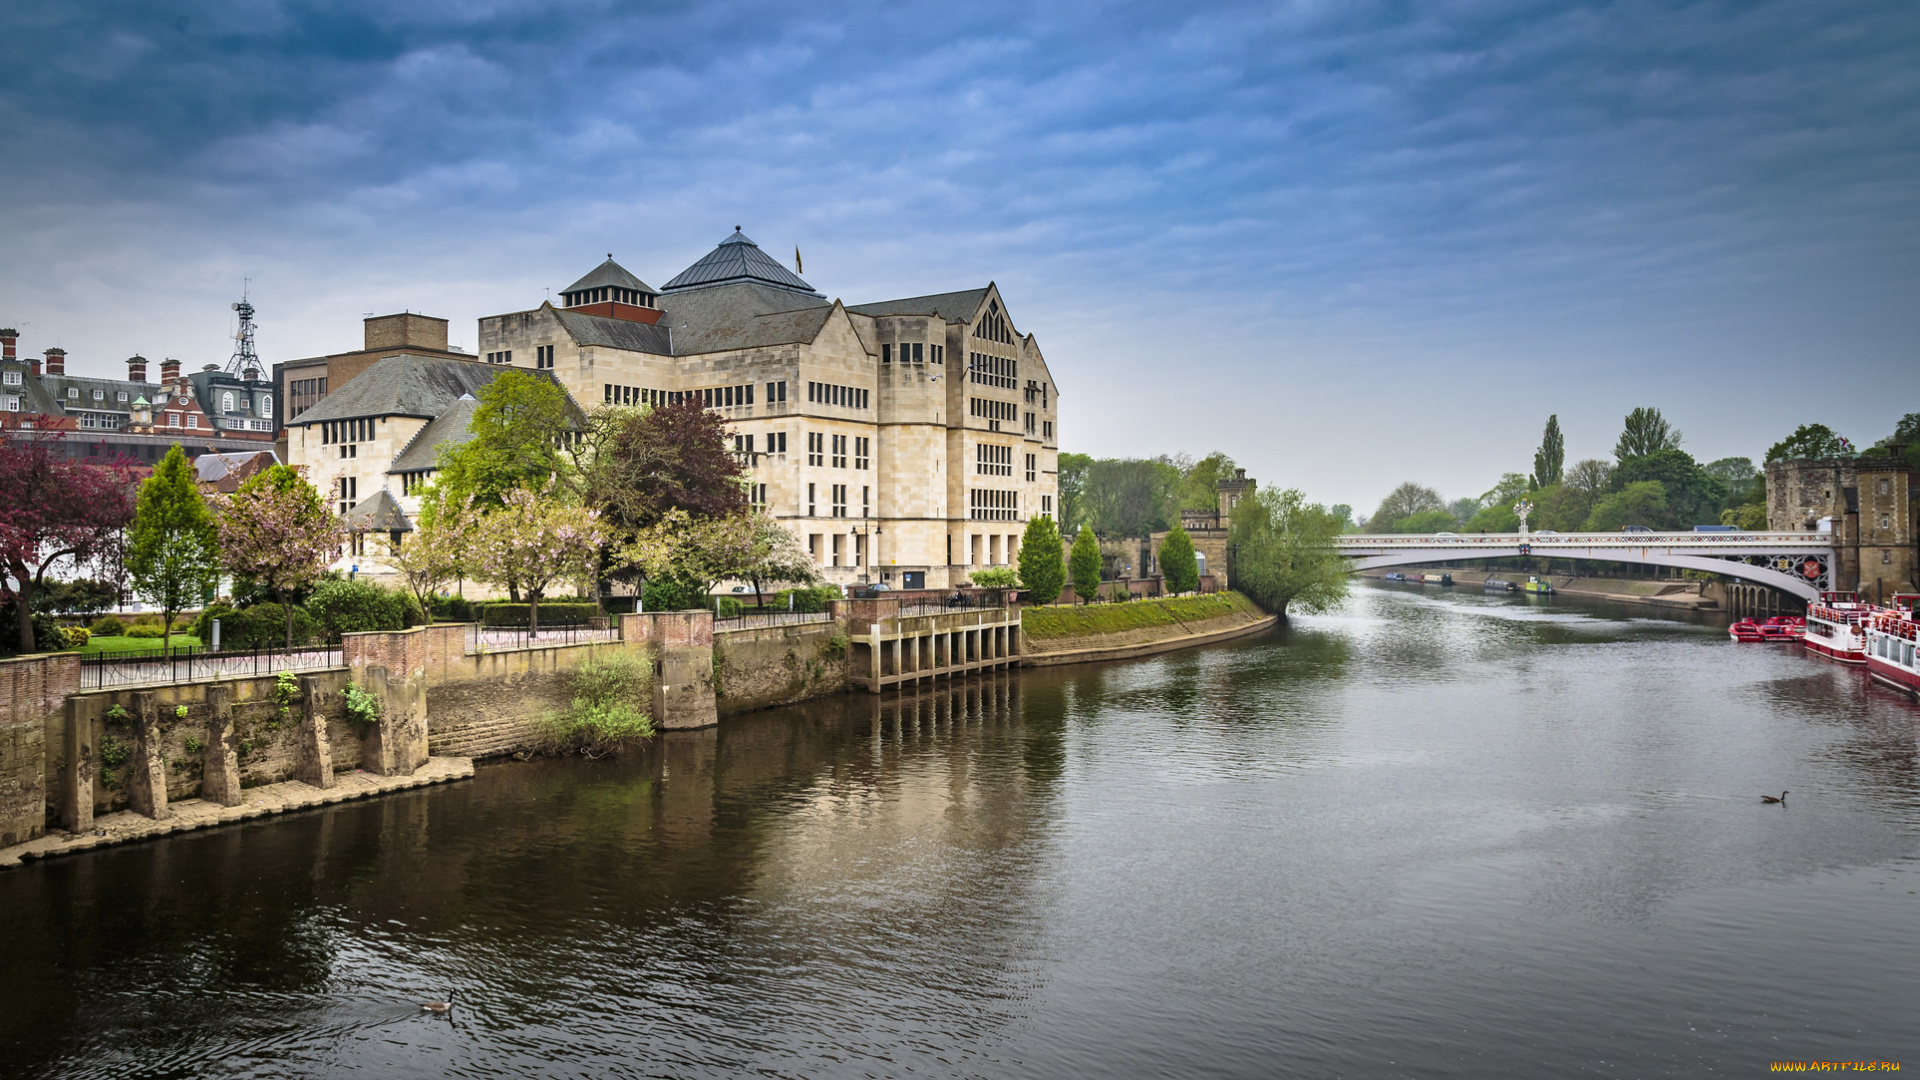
(1685, 595)
(1063, 634)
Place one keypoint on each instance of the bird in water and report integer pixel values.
(1769, 798)
(438, 1006)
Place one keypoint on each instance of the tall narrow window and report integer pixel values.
(816, 448)
(810, 503)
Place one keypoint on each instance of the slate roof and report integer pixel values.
(404, 385)
(452, 426)
(211, 468)
(609, 273)
(952, 306)
(742, 315)
(738, 259)
(378, 514)
(617, 333)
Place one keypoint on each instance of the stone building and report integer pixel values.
(904, 442)
(1211, 530)
(1871, 505)
(302, 384)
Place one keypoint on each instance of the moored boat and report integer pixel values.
(1837, 627)
(1497, 585)
(1783, 628)
(1537, 585)
(1437, 579)
(1745, 630)
(1396, 576)
(1893, 638)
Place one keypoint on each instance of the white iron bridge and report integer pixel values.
(1800, 563)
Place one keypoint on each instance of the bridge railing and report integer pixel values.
(1712, 540)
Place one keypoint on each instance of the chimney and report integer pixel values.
(136, 368)
(8, 337)
(56, 361)
(169, 370)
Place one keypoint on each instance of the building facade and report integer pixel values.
(1871, 505)
(905, 442)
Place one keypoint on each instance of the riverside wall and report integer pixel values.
(1653, 592)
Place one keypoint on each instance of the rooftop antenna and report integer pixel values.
(245, 360)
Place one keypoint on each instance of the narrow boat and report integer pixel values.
(1394, 577)
(1837, 627)
(1893, 636)
(1536, 585)
(1437, 579)
(1494, 584)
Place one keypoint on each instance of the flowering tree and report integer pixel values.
(277, 531)
(436, 552)
(703, 551)
(536, 539)
(52, 509)
(171, 554)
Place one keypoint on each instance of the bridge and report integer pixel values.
(1800, 563)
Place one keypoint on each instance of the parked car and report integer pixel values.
(1636, 529)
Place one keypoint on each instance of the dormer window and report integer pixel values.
(266, 405)
(73, 393)
(226, 403)
(123, 395)
(13, 378)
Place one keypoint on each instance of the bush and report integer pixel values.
(109, 626)
(262, 626)
(145, 630)
(77, 637)
(353, 607)
(451, 609)
(611, 696)
(552, 613)
(996, 577)
(810, 600)
(726, 607)
(666, 594)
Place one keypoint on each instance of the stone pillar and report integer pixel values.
(76, 782)
(681, 643)
(312, 752)
(33, 695)
(220, 775)
(147, 772)
(395, 668)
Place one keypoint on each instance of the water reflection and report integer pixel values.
(1424, 835)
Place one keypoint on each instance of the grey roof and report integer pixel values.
(609, 273)
(453, 426)
(404, 385)
(742, 315)
(617, 333)
(952, 306)
(211, 467)
(737, 259)
(378, 514)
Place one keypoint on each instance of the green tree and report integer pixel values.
(535, 539)
(1177, 564)
(1073, 488)
(524, 431)
(1645, 431)
(1906, 434)
(277, 534)
(1427, 521)
(1585, 482)
(171, 550)
(1200, 482)
(1407, 499)
(1643, 502)
(1345, 514)
(1512, 487)
(1495, 519)
(1130, 496)
(1085, 565)
(1810, 441)
(1551, 456)
(1042, 570)
(1692, 497)
(1284, 553)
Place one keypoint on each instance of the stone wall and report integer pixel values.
(32, 689)
(778, 665)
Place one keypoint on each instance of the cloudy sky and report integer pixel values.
(1349, 243)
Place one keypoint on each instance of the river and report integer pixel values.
(1433, 834)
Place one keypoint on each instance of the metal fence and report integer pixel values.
(755, 620)
(495, 638)
(957, 602)
(99, 671)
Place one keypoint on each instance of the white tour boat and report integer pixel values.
(1893, 634)
(1837, 627)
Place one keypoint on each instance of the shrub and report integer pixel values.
(352, 607)
(1043, 567)
(109, 626)
(145, 630)
(363, 708)
(726, 607)
(452, 608)
(262, 626)
(996, 577)
(77, 637)
(552, 613)
(814, 599)
(611, 696)
(666, 594)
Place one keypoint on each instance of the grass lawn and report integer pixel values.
(1086, 620)
(133, 644)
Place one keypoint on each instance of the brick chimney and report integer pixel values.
(137, 368)
(169, 370)
(8, 338)
(56, 361)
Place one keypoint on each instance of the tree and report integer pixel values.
(1511, 489)
(1427, 521)
(1810, 441)
(1551, 455)
(52, 509)
(1645, 432)
(1130, 496)
(1200, 482)
(1084, 565)
(523, 430)
(1042, 570)
(1496, 519)
(1906, 434)
(1692, 497)
(436, 552)
(648, 461)
(1585, 483)
(277, 532)
(172, 555)
(1177, 564)
(774, 555)
(1073, 485)
(1643, 502)
(1284, 553)
(537, 538)
(1345, 514)
(1408, 498)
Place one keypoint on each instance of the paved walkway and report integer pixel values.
(188, 814)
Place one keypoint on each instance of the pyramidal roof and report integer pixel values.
(609, 273)
(737, 260)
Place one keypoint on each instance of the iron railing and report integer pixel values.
(755, 620)
(187, 663)
(496, 638)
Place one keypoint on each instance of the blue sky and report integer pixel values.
(1348, 243)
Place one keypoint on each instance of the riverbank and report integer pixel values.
(1682, 595)
(1080, 634)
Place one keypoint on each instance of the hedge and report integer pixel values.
(555, 613)
(1087, 620)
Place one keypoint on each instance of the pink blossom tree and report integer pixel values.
(276, 531)
(52, 509)
(436, 552)
(535, 539)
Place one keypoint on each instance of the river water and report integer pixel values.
(1430, 835)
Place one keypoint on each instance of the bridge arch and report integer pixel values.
(1778, 561)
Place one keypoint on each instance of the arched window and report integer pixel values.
(266, 405)
(226, 402)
